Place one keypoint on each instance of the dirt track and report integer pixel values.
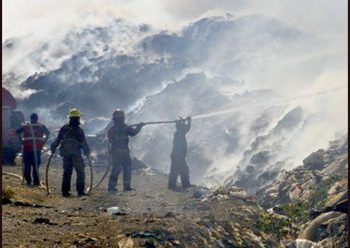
(170, 219)
(73, 217)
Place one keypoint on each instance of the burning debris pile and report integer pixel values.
(314, 196)
(323, 170)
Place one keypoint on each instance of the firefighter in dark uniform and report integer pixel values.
(178, 154)
(71, 139)
(34, 136)
(118, 137)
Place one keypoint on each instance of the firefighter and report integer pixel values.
(34, 136)
(71, 139)
(178, 154)
(118, 137)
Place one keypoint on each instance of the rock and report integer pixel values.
(170, 214)
(149, 244)
(302, 243)
(301, 183)
(337, 192)
(126, 242)
(199, 193)
(41, 220)
(91, 239)
(337, 225)
(175, 242)
(315, 160)
(224, 193)
(115, 211)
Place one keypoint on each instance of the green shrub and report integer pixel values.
(277, 226)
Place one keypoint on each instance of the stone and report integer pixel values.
(315, 160)
(126, 243)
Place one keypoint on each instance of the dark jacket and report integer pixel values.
(72, 140)
(179, 142)
(118, 136)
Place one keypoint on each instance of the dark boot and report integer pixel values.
(81, 194)
(128, 189)
(66, 194)
(112, 190)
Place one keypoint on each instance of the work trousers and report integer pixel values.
(77, 162)
(30, 165)
(120, 161)
(179, 167)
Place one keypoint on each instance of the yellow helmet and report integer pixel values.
(74, 112)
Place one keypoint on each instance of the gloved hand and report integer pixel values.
(188, 118)
(141, 124)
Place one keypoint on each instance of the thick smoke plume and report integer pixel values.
(264, 91)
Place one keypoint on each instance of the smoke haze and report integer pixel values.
(266, 83)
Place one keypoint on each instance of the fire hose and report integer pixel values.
(12, 175)
(89, 189)
(108, 167)
(153, 122)
(47, 174)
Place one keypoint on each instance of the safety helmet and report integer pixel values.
(74, 113)
(118, 113)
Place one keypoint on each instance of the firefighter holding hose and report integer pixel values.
(71, 139)
(118, 137)
(34, 136)
(179, 166)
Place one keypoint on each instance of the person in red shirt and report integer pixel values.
(34, 136)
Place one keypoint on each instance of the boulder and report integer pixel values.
(315, 160)
(302, 243)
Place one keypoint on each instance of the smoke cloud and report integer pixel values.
(265, 82)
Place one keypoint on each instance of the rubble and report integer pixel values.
(114, 211)
(224, 193)
(302, 182)
(309, 194)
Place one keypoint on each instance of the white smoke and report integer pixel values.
(289, 48)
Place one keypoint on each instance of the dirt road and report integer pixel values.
(151, 216)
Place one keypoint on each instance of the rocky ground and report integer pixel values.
(308, 194)
(152, 216)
